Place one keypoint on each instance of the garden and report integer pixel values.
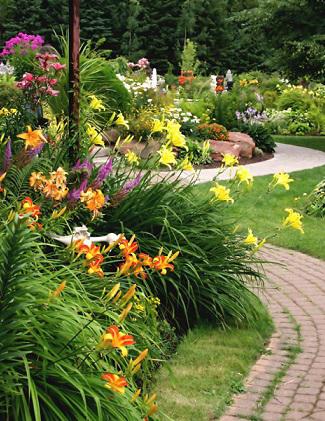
(128, 289)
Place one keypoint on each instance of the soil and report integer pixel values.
(242, 161)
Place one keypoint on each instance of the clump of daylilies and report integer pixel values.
(133, 263)
(240, 175)
(53, 187)
(114, 339)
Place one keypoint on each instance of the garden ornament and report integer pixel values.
(154, 79)
(82, 233)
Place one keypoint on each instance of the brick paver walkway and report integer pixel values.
(289, 382)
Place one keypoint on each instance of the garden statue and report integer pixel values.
(229, 80)
(154, 80)
(82, 233)
(213, 83)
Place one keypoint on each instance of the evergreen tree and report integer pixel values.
(130, 41)
(158, 34)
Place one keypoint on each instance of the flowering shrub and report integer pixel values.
(251, 116)
(212, 131)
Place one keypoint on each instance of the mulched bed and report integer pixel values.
(242, 161)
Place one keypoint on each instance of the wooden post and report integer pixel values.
(74, 87)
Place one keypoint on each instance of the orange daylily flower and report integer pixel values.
(145, 259)
(94, 200)
(32, 138)
(59, 176)
(113, 338)
(28, 207)
(114, 382)
(37, 180)
(92, 251)
(53, 191)
(162, 263)
(128, 247)
(95, 269)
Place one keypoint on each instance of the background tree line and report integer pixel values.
(285, 35)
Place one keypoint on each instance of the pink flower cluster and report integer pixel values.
(39, 84)
(42, 85)
(143, 63)
(22, 41)
(49, 61)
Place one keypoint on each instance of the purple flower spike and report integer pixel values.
(7, 157)
(85, 166)
(103, 172)
(35, 151)
(130, 185)
(74, 194)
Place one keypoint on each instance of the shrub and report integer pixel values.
(295, 99)
(10, 96)
(261, 135)
(212, 131)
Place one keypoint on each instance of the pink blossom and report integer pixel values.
(57, 66)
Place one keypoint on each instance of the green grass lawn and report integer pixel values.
(208, 368)
(313, 142)
(264, 213)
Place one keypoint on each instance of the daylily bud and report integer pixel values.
(113, 292)
(125, 312)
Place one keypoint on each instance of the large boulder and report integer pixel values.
(247, 144)
(219, 148)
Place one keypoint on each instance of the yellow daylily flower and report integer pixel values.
(174, 134)
(32, 138)
(96, 103)
(186, 165)
(158, 126)
(243, 175)
(229, 160)
(132, 157)
(282, 179)
(293, 220)
(167, 156)
(221, 193)
(251, 239)
(95, 137)
(120, 121)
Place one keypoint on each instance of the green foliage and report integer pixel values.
(197, 153)
(97, 77)
(211, 274)
(316, 201)
(9, 94)
(261, 136)
(189, 60)
(296, 99)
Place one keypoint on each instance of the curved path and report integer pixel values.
(288, 383)
(288, 158)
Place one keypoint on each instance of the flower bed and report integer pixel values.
(101, 269)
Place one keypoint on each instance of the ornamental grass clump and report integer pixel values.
(213, 271)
